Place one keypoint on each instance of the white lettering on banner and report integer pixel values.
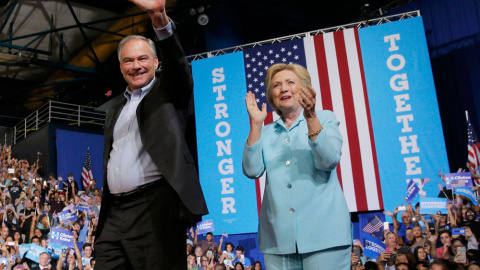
(226, 129)
(412, 144)
(405, 119)
(220, 110)
(222, 129)
(411, 163)
(392, 39)
(226, 189)
(225, 169)
(374, 247)
(228, 205)
(433, 205)
(219, 89)
(391, 63)
(398, 83)
(225, 146)
(400, 100)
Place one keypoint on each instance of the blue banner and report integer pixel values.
(465, 191)
(412, 191)
(433, 205)
(67, 215)
(454, 180)
(373, 247)
(34, 252)
(403, 107)
(22, 249)
(205, 226)
(85, 209)
(222, 128)
(60, 241)
(458, 231)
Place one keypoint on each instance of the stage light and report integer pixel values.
(202, 19)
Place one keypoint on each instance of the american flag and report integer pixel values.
(335, 65)
(473, 149)
(87, 174)
(374, 225)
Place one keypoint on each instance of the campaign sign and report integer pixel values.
(412, 191)
(373, 246)
(433, 205)
(34, 252)
(85, 262)
(82, 208)
(67, 216)
(60, 240)
(467, 192)
(458, 231)
(205, 226)
(22, 249)
(454, 180)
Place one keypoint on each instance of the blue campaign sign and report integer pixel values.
(412, 191)
(433, 205)
(404, 110)
(83, 208)
(373, 247)
(67, 215)
(205, 226)
(22, 249)
(467, 192)
(34, 252)
(222, 125)
(454, 180)
(458, 231)
(60, 240)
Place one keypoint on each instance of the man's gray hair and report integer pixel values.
(130, 37)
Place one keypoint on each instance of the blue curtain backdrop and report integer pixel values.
(71, 149)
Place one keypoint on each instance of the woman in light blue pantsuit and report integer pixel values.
(304, 220)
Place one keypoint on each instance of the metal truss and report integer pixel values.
(361, 24)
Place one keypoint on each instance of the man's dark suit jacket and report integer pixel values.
(161, 117)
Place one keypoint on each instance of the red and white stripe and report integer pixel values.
(474, 156)
(335, 64)
(87, 177)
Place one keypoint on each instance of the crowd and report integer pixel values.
(435, 241)
(29, 210)
(210, 255)
(30, 207)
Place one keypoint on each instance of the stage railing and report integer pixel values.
(58, 112)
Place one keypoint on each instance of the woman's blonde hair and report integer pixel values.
(299, 70)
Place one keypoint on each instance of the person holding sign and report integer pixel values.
(304, 220)
(151, 185)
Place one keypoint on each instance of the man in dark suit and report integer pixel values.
(151, 185)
